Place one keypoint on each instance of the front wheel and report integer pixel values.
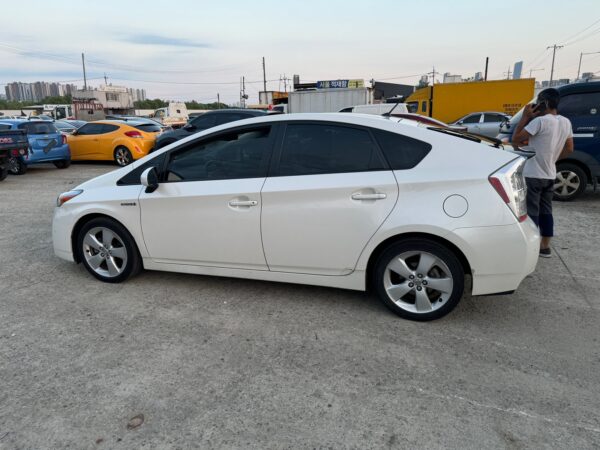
(16, 166)
(63, 164)
(571, 181)
(123, 156)
(108, 251)
(3, 173)
(419, 279)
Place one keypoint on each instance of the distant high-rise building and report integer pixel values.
(478, 76)
(37, 91)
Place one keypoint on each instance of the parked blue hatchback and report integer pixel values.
(46, 145)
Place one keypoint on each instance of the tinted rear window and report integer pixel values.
(38, 127)
(402, 152)
(148, 127)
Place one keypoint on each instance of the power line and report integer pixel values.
(594, 32)
(98, 63)
(579, 32)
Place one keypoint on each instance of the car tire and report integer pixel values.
(16, 166)
(571, 181)
(122, 156)
(62, 164)
(108, 251)
(3, 173)
(419, 279)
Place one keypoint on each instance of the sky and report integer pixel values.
(192, 50)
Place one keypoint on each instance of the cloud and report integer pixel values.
(154, 39)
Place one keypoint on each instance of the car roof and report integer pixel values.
(586, 86)
(21, 121)
(250, 112)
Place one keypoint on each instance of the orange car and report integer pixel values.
(113, 140)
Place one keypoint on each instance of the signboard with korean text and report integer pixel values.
(340, 84)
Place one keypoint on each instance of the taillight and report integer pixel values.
(509, 183)
(134, 134)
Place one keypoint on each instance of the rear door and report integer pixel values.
(472, 122)
(329, 191)
(44, 139)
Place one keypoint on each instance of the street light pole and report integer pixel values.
(580, 58)
(534, 70)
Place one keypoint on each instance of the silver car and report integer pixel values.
(485, 123)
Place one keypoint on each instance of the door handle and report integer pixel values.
(375, 196)
(236, 203)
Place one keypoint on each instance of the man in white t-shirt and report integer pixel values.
(550, 136)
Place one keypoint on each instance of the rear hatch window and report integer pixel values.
(148, 127)
(38, 127)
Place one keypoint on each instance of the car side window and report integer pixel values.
(488, 118)
(233, 155)
(109, 128)
(310, 149)
(473, 118)
(584, 104)
(133, 177)
(402, 152)
(90, 129)
(204, 122)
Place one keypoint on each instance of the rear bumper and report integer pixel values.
(141, 148)
(58, 153)
(500, 256)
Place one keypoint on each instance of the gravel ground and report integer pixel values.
(227, 363)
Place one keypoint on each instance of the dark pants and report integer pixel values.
(539, 204)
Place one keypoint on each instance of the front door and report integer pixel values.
(206, 210)
(84, 143)
(328, 195)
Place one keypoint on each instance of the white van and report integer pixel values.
(379, 108)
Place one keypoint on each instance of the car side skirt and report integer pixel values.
(354, 281)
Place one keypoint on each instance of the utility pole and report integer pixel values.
(264, 77)
(433, 74)
(84, 77)
(218, 101)
(508, 73)
(105, 79)
(553, 47)
(580, 57)
(245, 97)
(487, 60)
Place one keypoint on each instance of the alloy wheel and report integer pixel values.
(105, 252)
(122, 156)
(566, 183)
(418, 282)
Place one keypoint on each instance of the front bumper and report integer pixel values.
(500, 256)
(61, 234)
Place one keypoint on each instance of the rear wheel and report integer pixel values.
(571, 181)
(123, 156)
(63, 164)
(419, 279)
(16, 166)
(108, 251)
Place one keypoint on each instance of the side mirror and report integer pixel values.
(149, 178)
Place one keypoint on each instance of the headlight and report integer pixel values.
(66, 196)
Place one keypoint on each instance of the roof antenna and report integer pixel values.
(389, 113)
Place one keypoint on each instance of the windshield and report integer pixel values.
(38, 127)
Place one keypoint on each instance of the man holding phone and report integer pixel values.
(550, 136)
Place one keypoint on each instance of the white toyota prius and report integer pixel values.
(341, 200)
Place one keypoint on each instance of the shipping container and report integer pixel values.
(328, 100)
